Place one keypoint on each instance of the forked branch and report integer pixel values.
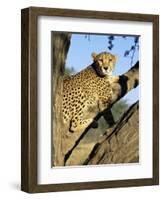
(121, 85)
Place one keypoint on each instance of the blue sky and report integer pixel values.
(81, 48)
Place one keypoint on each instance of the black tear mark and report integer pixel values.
(123, 82)
(97, 70)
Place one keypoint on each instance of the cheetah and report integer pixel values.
(88, 92)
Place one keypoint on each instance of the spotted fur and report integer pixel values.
(88, 92)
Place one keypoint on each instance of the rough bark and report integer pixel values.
(120, 144)
(60, 46)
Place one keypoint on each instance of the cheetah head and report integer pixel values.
(104, 63)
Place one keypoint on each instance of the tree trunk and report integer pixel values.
(60, 46)
(65, 142)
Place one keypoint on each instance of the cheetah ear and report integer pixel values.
(94, 55)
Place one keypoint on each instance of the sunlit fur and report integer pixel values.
(88, 92)
(104, 63)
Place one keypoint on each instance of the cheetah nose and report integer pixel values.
(105, 68)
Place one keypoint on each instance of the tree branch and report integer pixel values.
(121, 85)
(120, 144)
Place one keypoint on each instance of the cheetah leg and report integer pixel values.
(79, 125)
